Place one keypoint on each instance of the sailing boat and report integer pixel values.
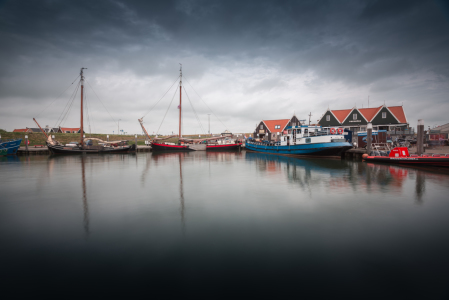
(82, 148)
(220, 143)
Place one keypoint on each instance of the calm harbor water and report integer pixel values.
(216, 224)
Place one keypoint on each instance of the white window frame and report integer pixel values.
(328, 118)
(261, 126)
(384, 115)
(354, 116)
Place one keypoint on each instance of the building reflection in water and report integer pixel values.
(310, 174)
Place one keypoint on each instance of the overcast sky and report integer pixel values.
(247, 60)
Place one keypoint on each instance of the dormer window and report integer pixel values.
(277, 126)
(328, 118)
(354, 116)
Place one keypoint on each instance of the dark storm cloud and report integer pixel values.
(357, 43)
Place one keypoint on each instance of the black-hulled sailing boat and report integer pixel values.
(57, 148)
(184, 144)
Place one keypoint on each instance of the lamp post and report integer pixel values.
(208, 115)
(135, 136)
(118, 126)
(26, 143)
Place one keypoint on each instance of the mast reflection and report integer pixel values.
(181, 192)
(85, 204)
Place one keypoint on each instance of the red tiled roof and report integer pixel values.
(341, 114)
(69, 129)
(20, 130)
(398, 112)
(271, 123)
(369, 113)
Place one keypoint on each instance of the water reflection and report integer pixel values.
(162, 158)
(312, 174)
(85, 203)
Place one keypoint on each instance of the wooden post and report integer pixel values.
(369, 134)
(420, 138)
(26, 143)
(136, 141)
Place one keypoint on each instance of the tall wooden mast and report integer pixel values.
(180, 99)
(82, 94)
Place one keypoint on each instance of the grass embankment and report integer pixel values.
(38, 138)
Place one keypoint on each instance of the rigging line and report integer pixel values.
(68, 106)
(206, 104)
(64, 117)
(194, 111)
(58, 96)
(101, 102)
(161, 98)
(87, 111)
(68, 102)
(167, 111)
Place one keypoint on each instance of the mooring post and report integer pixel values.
(420, 138)
(26, 143)
(369, 134)
(136, 141)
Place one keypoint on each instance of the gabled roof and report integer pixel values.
(21, 130)
(398, 112)
(341, 114)
(271, 123)
(370, 113)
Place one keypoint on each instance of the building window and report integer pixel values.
(277, 126)
(328, 118)
(384, 115)
(261, 126)
(354, 116)
(293, 124)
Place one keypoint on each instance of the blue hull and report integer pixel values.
(318, 149)
(9, 147)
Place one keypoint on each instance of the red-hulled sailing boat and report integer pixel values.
(210, 144)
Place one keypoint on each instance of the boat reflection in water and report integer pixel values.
(340, 176)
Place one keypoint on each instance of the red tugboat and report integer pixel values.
(400, 155)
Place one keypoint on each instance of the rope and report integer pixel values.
(101, 102)
(58, 96)
(196, 115)
(166, 111)
(206, 105)
(68, 107)
(161, 98)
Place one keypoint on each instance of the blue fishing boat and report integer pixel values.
(9, 147)
(304, 140)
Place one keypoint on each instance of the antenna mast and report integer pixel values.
(310, 115)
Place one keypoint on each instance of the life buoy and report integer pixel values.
(340, 130)
(333, 130)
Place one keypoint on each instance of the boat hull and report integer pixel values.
(225, 147)
(169, 148)
(317, 149)
(10, 147)
(412, 161)
(59, 149)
